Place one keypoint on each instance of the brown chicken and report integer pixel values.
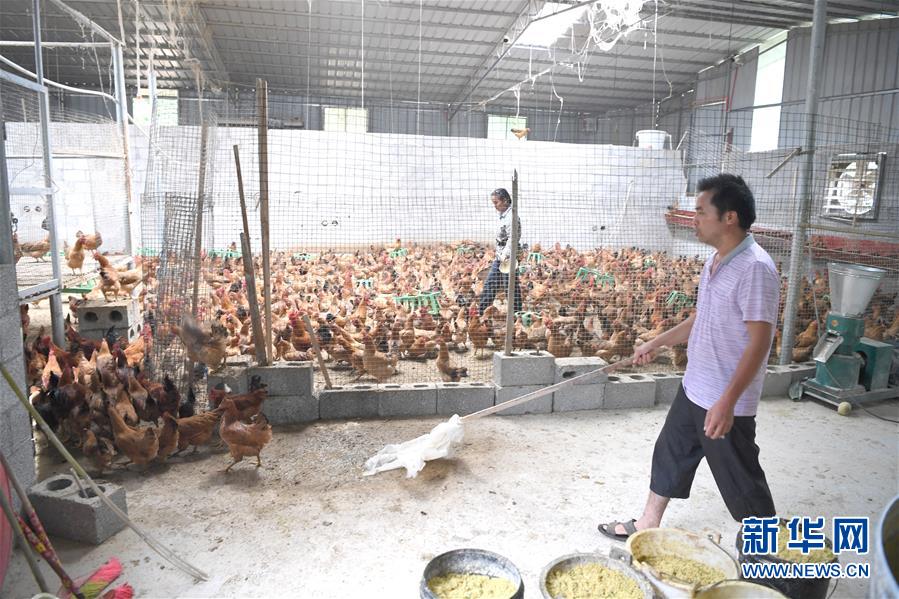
(121, 403)
(478, 332)
(168, 437)
(91, 242)
(206, 342)
(299, 336)
(99, 450)
(75, 255)
(519, 133)
(140, 444)
(197, 430)
(35, 249)
(109, 283)
(243, 440)
(378, 365)
(248, 404)
(558, 344)
(134, 352)
(448, 372)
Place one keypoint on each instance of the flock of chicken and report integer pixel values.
(96, 395)
(365, 316)
(594, 303)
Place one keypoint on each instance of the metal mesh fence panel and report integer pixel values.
(387, 240)
(89, 184)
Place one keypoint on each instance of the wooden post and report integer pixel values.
(262, 113)
(513, 269)
(201, 192)
(249, 269)
(318, 352)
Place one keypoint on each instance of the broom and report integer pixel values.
(446, 436)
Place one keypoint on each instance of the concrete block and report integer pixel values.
(567, 368)
(15, 364)
(65, 512)
(10, 335)
(352, 401)
(777, 381)
(667, 385)
(235, 377)
(96, 315)
(543, 405)
(291, 409)
(629, 391)
(802, 371)
(579, 397)
(417, 399)
(464, 398)
(523, 368)
(284, 378)
(244, 361)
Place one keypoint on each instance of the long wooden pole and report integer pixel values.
(201, 193)
(318, 351)
(262, 113)
(513, 269)
(249, 268)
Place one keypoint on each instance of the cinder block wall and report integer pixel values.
(15, 425)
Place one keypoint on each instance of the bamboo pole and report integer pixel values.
(513, 269)
(249, 268)
(262, 113)
(318, 352)
(198, 242)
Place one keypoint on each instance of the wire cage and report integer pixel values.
(387, 238)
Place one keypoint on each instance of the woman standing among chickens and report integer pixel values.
(496, 278)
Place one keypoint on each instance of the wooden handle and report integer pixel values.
(318, 353)
(583, 378)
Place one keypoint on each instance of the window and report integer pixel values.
(769, 83)
(500, 126)
(348, 120)
(166, 108)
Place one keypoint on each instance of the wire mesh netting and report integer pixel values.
(387, 241)
(88, 183)
(178, 189)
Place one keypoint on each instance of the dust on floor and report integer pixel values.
(308, 524)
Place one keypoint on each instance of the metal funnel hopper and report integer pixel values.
(851, 287)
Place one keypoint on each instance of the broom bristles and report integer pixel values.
(102, 577)
(124, 591)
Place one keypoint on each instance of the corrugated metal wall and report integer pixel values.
(860, 73)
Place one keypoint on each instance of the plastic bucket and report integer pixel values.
(618, 561)
(471, 561)
(738, 589)
(651, 138)
(885, 569)
(658, 542)
(794, 588)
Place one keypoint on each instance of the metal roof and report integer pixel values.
(441, 51)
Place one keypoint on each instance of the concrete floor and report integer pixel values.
(529, 487)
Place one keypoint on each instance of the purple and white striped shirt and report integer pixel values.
(745, 287)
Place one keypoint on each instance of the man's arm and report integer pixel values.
(720, 417)
(645, 353)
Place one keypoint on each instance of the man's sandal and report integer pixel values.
(608, 529)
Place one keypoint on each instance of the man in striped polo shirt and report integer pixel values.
(728, 341)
